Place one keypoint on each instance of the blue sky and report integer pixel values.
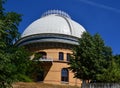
(96, 16)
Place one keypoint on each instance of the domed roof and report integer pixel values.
(54, 22)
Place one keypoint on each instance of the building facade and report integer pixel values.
(53, 36)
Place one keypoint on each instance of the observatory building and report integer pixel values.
(53, 36)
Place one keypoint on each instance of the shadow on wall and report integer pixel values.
(46, 67)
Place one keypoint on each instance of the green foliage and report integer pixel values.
(14, 61)
(110, 75)
(91, 57)
(37, 56)
(8, 25)
(20, 59)
(35, 67)
(5, 70)
(23, 78)
(117, 59)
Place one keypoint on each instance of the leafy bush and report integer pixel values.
(23, 78)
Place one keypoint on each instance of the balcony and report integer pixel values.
(46, 59)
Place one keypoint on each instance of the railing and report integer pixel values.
(101, 85)
(47, 59)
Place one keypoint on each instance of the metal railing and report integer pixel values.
(47, 59)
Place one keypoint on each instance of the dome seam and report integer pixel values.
(69, 24)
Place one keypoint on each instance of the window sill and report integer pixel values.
(64, 82)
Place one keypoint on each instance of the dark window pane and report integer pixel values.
(61, 57)
(64, 75)
(68, 56)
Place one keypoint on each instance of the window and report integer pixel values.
(64, 75)
(43, 55)
(68, 56)
(61, 56)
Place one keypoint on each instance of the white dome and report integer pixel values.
(55, 24)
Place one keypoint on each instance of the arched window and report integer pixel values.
(43, 55)
(64, 75)
(61, 56)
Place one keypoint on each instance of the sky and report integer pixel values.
(96, 16)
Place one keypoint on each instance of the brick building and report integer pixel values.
(53, 36)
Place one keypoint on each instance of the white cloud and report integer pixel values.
(100, 5)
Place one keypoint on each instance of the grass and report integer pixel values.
(40, 85)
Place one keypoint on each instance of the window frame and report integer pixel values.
(68, 56)
(64, 75)
(61, 56)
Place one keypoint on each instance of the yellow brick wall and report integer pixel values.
(54, 73)
(54, 53)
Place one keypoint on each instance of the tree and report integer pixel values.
(111, 74)
(35, 72)
(117, 59)
(14, 61)
(90, 57)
